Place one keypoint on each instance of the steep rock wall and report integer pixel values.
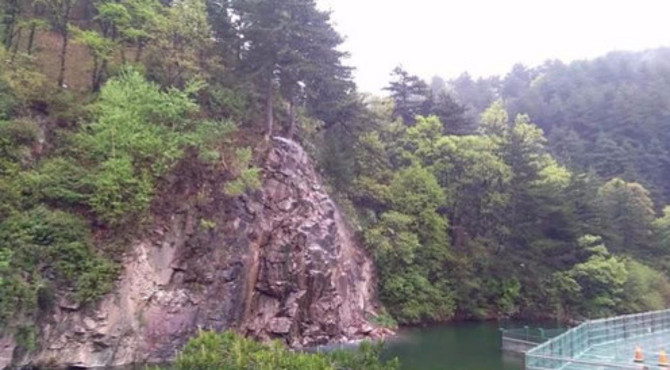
(278, 264)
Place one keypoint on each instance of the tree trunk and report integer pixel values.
(99, 73)
(31, 39)
(291, 117)
(65, 34)
(10, 22)
(138, 55)
(94, 77)
(63, 54)
(38, 11)
(17, 42)
(269, 110)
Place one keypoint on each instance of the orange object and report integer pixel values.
(639, 357)
(663, 359)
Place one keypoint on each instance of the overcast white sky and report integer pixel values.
(484, 37)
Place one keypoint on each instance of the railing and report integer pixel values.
(566, 349)
(521, 340)
(528, 334)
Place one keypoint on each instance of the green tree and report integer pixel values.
(289, 44)
(598, 282)
(181, 46)
(628, 213)
(410, 95)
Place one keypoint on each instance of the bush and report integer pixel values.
(39, 247)
(210, 350)
(120, 194)
(58, 181)
(645, 289)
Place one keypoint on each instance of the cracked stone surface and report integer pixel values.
(278, 264)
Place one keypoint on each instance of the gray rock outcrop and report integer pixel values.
(278, 264)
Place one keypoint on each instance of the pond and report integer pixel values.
(459, 346)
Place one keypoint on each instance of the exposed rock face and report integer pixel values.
(312, 283)
(278, 264)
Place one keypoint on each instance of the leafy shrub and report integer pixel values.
(645, 289)
(248, 178)
(58, 181)
(119, 192)
(42, 247)
(384, 319)
(210, 350)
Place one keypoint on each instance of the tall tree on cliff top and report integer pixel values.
(288, 45)
(410, 95)
(223, 26)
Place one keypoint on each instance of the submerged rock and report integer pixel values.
(278, 264)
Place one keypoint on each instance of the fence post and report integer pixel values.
(527, 332)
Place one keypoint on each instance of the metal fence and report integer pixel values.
(604, 344)
(521, 340)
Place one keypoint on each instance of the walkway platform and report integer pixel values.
(606, 344)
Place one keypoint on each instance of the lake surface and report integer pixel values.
(460, 346)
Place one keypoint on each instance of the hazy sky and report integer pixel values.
(484, 37)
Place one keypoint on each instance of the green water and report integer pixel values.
(463, 346)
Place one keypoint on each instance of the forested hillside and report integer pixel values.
(112, 110)
(549, 182)
(539, 194)
(609, 115)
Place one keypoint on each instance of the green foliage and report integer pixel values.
(137, 119)
(601, 279)
(248, 178)
(597, 283)
(366, 357)
(476, 224)
(21, 85)
(26, 337)
(607, 114)
(43, 247)
(107, 169)
(58, 181)
(462, 221)
(405, 89)
(661, 227)
(207, 224)
(139, 133)
(99, 46)
(181, 40)
(384, 320)
(645, 289)
(119, 193)
(414, 190)
(628, 212)
(210, 350)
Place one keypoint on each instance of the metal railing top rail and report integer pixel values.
(537, 335)
(631, 315)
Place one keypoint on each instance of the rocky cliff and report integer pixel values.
(278, 264)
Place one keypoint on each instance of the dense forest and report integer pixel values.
(536, 194)
(489, 211)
